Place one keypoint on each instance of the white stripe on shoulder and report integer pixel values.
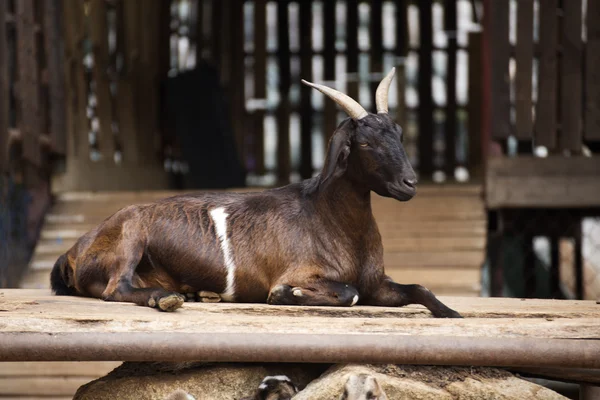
(219, 217)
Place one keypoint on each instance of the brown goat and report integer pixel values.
(309, 243)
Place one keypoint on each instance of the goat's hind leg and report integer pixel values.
(318, 293)
(392, 294)
(151, 297)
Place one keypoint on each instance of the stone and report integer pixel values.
(430, 382)
(155, 381)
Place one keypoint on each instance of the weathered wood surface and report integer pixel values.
(29, 316)
(543, 182)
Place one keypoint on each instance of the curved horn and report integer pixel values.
(351, 106)
(381, 95)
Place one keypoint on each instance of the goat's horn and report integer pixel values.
(351, 106)
(381, 95)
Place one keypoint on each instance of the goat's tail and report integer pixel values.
(61, 277)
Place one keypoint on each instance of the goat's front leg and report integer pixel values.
(316, 293)
(392, 294)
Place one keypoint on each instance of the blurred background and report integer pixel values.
(108, 102)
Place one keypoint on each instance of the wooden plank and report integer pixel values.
(425, 109)
(4, 88)
(53, 43)
(41, 386)
(524, 58)
(56, 368)
(306, 110)
(330, 108)
(352, 48)
(450, 162)
(28, 93)
(475, 124)
(592, 71)
(471, 259)
(435, 244)
(438, 278)
(260, 76)
(98, 26)
(546, 111)
(376, 41)
(401, 53)
(543, 182)
(570, 136)
(284, 162)
(499, 55)
(238, 72)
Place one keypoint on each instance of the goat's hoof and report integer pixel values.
(204, 296)
(170, 302)
(281, 294)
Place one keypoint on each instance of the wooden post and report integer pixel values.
(475, 107)
(306, 111)
(330, 109)
(425, 98)
(570, 137)
(401, 52)
(592, 67)
(545, 121)
(499, 49)
(376, 34)
(352, 47)
(283, 111)
(56, 79)
(260, 75)
(28, 93)
(450, 125)
(3, 91)
(99, 40)
(524, 57)
(236, 87)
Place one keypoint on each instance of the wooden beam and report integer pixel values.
(53, 43)
(570, 137)
(352, 47)
(475, 107)
(237, 79)
(546, 110)
(499, 55)
(543, 182)
(401, 53)
(4, 87)
(523, 78)
(592, 68)
(306, 110)
(376, 40)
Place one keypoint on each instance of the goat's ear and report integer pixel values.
(338, 151)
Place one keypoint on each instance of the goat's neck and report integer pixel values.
(347, 203)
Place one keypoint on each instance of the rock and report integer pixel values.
(430, 382)
(155, 381)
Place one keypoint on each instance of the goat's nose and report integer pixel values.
(411, 183)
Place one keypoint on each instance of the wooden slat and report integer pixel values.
(41, 386)
(431, 245)
(450, 123)
(237, 86)
(4, 85)
(306, 111)
(284, 166)
(592, 68)
(330, 109)
(352, 47)
(543, 182)
(475, 124)
(437, 278)
(53, 43)
(524, 58)
(376, 40)
(471, 259)
(99, 41)
(545, 121)
(401, 52)
(571, 78)
(499, 54)
(425, 97)
(260, 74)
(28, 94)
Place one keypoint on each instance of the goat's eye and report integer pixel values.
(364, 144)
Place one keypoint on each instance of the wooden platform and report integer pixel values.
(437, 239)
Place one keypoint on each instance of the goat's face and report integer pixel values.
(367, 148)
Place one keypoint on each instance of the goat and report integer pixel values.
(310, 243)
(278, 387)
(363, 387)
